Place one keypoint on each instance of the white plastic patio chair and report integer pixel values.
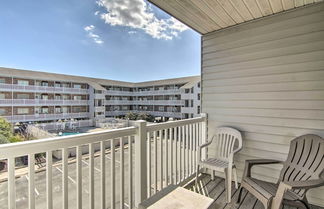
(227, 142)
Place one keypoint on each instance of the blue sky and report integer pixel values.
(97, 39)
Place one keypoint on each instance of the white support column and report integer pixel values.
(204, 135)
(140, 162)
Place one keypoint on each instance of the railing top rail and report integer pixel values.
(43, 145)
(172, 124)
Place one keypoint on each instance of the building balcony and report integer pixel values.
(99, 96)
(100, 109)
(104, 169)
(158, 92)
(40, 117)
(188, 110)
(41, 102)
(44, 89)
(145, 102)
(119, 102)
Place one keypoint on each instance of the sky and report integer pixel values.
(128, 40)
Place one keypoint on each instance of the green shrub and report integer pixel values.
(16, 138)
(3, 139)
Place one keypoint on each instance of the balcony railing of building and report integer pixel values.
(154, 113)
(47, 89)
(36, 117)
(144, 102)
(142, 93)
(149, 157)
(26, 102)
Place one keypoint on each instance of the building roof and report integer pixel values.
(94, 82)
(205, 16)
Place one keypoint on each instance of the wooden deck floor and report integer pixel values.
(216, 190)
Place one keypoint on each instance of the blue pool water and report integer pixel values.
(70, 133)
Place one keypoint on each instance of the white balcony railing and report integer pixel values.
(100, 109)
(143, 93)
(144, 102)
(47, 89)
(38, 117)
(26, 102)
(154, 113)
(149, 158)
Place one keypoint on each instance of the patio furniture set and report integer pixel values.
(302, 170)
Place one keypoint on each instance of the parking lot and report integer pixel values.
(40, 185)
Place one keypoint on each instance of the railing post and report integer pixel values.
(204, 136)
(140, 162)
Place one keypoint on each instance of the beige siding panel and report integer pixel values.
(284, 73)
(292, 40)
(266, 78)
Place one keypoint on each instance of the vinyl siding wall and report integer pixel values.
(266, 78)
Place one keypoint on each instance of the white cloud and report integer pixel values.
(96, 13)
(136, 14)
(96, 38)
(132, 32)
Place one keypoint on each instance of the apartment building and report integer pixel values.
(30, 96)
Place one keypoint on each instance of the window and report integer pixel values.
(198, 110)
(57, 85)
(2, 111)
(57, 97)
(22, 96)
(23, 82)
(77, 86)
(2, 96)
(45, 110)
(198, 96)
(65, 110)
(187, 91)
(192, 102)
(77, 97)
(2, 80)
(198, 84)
(45, 97)
(161, 109)
(192, 90)
(191, 115)
(66, 97)
(44, 83)
(36, 110)
(186, 103)
(21, 111)
(77, 109)
(58, 110)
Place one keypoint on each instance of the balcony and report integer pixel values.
(100, 109)
(41, 102)
(157, 92)
(99, 96)
(43, 89)
(144, 102)
(38, 117)
(119, 102)
(121, 167)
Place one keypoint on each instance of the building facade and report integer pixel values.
(29, 96)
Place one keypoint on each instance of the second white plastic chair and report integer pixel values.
(226, 142)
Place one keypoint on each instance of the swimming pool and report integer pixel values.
(69, 133)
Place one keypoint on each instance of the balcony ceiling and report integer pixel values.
(206, 16)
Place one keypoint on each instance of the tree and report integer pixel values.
(6, 135)
(131, 116)
(3, 139)
(5, 128)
